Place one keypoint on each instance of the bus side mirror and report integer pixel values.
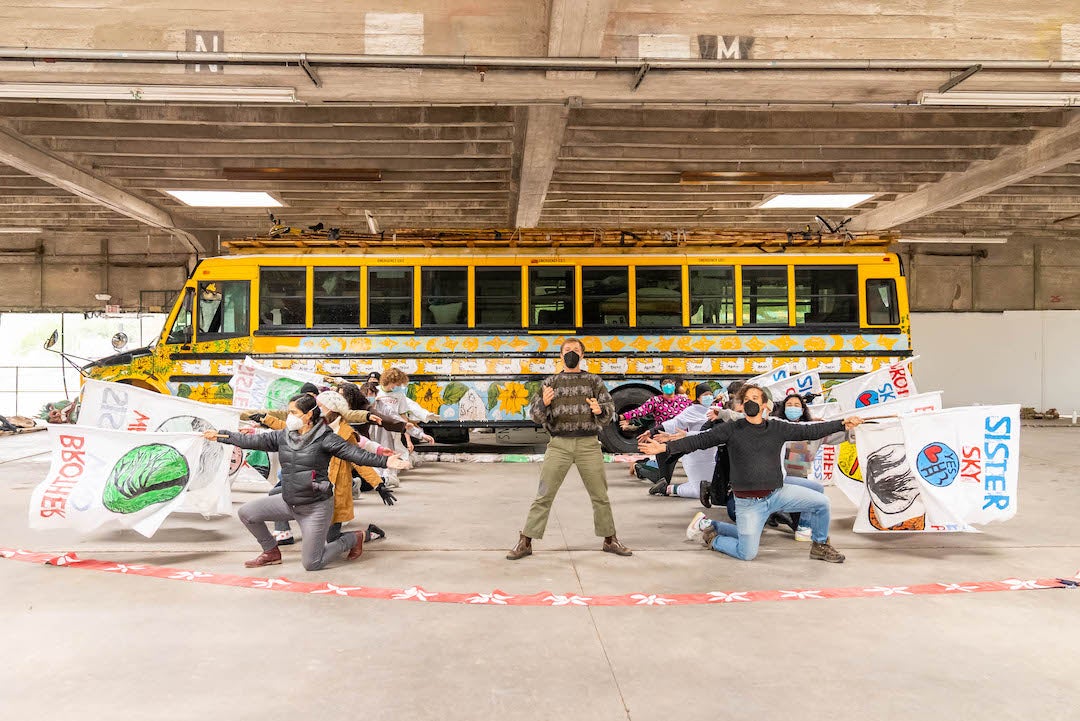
(52, 339)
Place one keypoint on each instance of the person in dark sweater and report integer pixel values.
(574, 406)
(757, 478)
(306, 447)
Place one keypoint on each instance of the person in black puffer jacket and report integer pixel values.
(305, 448)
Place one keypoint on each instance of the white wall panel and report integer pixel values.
(1026, 357)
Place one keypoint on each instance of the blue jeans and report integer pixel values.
(742, 538)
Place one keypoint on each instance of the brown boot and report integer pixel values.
(613, 545)
(522, 549)
(358, 549)
(266, 558)
(825, 552)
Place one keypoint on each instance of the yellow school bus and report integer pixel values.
(477, 326)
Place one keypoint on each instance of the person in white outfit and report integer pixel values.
(390, 401)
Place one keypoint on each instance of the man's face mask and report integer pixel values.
(751, 408)
(571, 359)
(668, 388)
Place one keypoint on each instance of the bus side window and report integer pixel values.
(282, 297)
(551, 301)
(181, 327)
(659, 296)
(498, 297)
(390, 292)
(605, 296)
(881, 307)
(712, 295)
(826, 296)
(765, 295)
(444, 296)
(223, 309)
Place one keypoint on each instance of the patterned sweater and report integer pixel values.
(662, 409)
(569, 413)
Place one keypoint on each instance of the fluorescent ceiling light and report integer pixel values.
(148, 93)
(989, 98)
(225, 198)
(816, 200)
(965, 240)
(20, 230)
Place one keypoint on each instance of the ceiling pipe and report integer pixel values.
(81, 55)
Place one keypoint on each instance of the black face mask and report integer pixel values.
(751, 409)
(571, 359)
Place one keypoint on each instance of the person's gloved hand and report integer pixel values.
(257, 417)
(386, 494)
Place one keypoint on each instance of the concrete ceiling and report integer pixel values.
(460, 166)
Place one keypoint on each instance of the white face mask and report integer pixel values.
(294, 423)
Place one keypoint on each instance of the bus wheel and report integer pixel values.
(613, 438)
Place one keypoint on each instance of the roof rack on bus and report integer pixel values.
(537, 238)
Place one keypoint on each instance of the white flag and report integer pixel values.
(968, 459)
(117, 406)
(839, 464)
(801, 384)
(776, 375)
(880, 386)
(256, 386)
(114, 478)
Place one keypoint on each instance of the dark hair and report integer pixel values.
(732, 388)
(371, 388)
(310, 388)
(745, 388)
(778, 411)
(701, 389)
(307, 403)
(374, 376)
(674, 379)
(352, 395)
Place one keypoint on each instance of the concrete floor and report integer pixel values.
(90, 645)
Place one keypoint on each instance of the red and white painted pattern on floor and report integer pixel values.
(544, 598)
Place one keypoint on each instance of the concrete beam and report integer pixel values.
(575, 28)
(1050, 149)
(543, 141)
(19, 154)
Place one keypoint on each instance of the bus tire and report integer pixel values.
(626, 398)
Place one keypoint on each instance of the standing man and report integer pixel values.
(757, 478)
(574, 407)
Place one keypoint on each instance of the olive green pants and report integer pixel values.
(563, 452)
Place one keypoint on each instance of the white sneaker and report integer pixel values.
(803, 534)
(696, 527)
(284, 537)
(392, 482)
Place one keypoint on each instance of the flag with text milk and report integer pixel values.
(104, 478)
(839, 464)
(120, 407)
(880, 386)
(257, 386)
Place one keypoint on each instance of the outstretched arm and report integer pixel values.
(252, 441)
